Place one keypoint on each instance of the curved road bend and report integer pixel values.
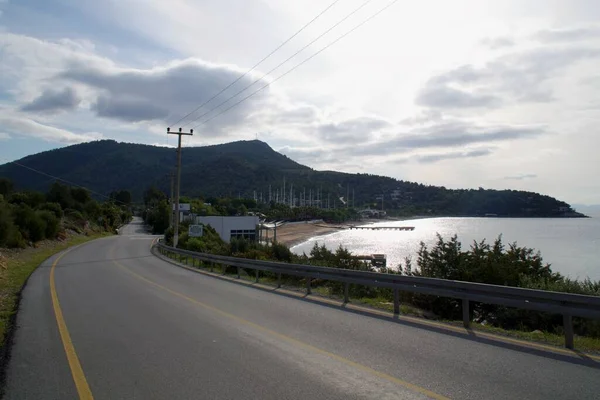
(142, 328)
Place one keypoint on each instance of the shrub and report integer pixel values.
(55, 208)
(281, 252)
(6, 224)
(52, 223)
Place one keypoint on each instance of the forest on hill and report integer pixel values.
(252, 169)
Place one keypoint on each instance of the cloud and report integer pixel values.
(448, 97)
(171, 146)
(445, 135)
(551, 36)
(351, 129)
(128, 109)
(26, 127)
(518, 76)
(498, 42)
(520, 177)
(53, 100)
(4, 136)
(169, 92)
(435, 157)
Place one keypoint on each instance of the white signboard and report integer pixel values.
(195, 230)
(183, 207)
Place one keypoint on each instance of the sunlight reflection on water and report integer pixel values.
(570, 245)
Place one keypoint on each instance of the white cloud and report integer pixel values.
(490, 89)
(23, 127)
(4, 136)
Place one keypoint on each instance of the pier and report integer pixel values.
(376, 260)
(384, 228)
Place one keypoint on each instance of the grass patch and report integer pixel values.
(584, 343)
(18, 268)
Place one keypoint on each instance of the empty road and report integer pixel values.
(112, 321)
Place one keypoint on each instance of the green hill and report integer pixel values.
(245, 167)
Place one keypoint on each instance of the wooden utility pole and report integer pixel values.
(178, 184)
(172, 215)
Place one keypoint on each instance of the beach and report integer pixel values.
(294, 234)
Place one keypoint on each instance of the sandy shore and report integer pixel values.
(292, 235)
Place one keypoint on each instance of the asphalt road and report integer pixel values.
(142, 328)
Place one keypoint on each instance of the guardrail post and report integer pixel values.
(256, 279)
(396, 301)
(568, 328)
(238, 272)
(278, 280)
(346, 292)
(224, 269)
(465, 312)
(212, 266)
(308, 288)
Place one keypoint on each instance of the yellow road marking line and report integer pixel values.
(81, 384)
(289, 339)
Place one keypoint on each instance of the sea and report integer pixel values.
(570, 245)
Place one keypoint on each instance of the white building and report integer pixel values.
(230, 227)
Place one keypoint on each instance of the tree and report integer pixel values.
(153, 196)
(161, 218)
(121, 197)
(6, 187)
(60, 194)
(80, 195)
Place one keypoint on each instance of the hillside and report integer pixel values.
(245, 167)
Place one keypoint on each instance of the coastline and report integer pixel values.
(295, 234)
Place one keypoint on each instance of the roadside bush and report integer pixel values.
(52, 223)
(500, 265)
(32, 199)
(32, 227)
(281, 252)
(92, 210)
(6, 224)
(55, 208)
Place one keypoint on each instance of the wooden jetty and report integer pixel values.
(377, 260)
(384, 228)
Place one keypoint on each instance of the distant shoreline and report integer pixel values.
(295, 234)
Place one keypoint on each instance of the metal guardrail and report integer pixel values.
(566, 304)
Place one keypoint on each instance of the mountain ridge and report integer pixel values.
(252, 168)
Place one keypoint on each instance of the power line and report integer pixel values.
(283, 62)
(63, 180)
(297, 65)
(258, 63)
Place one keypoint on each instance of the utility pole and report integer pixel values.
(178, 185)
(353, 197)
(171, 204)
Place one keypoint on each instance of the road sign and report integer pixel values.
(196, 231)
(183, 207)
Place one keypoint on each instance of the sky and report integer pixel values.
(461, 94)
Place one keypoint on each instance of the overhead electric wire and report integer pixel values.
(298, 65)
(63, 180)
(283, 62)
(258, 63)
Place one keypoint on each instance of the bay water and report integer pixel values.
(571, 246)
